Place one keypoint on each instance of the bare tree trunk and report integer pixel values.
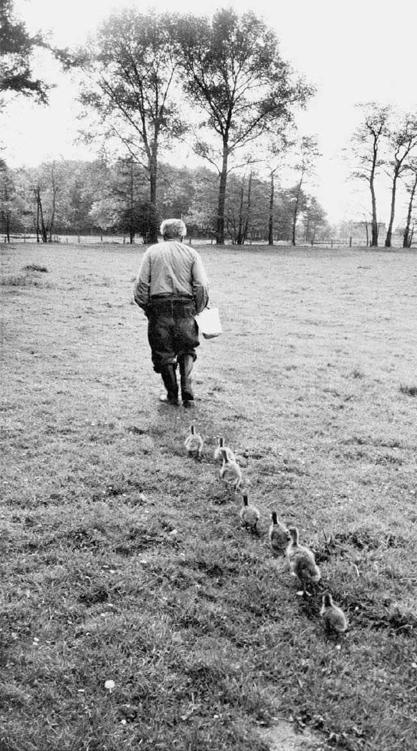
(239, 234)
(153, 220)
(6, 217)
(271, 211)
(295, 212)
(131, 206)
(374, 224)
(40, 223)
(37, 218)
(53, 209)
(408, 235)
(6, 213)
(374, 230)
(222, 197)
(367, 233)
(248, 209)
(388, 239)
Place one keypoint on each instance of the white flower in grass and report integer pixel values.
(109, 685)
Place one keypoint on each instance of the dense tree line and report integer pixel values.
(151, 81)
(136, 75)
(71, 197)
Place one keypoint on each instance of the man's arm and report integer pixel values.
(142, 286)
(200, 285)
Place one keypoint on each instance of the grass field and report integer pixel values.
(124, 560)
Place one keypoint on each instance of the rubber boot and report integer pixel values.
(169, 378)
(186, 365)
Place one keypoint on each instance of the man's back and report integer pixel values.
(172, 268)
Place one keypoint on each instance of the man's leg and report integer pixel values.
(187, 341)
(169, 377)
(186, 363)
(160, 335)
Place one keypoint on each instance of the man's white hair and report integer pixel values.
(172, 228)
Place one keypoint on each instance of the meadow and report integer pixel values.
(122, 559)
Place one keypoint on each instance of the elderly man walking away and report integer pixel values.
(172, 288)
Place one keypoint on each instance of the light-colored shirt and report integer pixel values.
(171, 268)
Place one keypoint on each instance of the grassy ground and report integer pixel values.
(124, 560)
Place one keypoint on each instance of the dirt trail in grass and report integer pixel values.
(125, 560)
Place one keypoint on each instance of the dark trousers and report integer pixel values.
(172, 330)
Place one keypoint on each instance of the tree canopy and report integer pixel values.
(130, 68)
(232, 69)
(16, 55)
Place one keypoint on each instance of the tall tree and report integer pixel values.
(307, 154)
(46, 194)
(402, 142)
(314, 220)
(128, 189)
(130, 70)
(367, 141)
(176, 190)
(275, 152)
(16, 56)
(119, 197)
(233, 71)
(8, 199)
(201, 214)
(411, 190)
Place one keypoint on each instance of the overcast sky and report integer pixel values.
(351, 50)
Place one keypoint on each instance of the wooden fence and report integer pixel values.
(124, 240)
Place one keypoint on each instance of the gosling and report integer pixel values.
(302, 562)
(249, 515)
(194, 443)
(218, 451)
(335, 621)
(230, 471)
(278, 535)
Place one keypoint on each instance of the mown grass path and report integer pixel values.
(124, 560)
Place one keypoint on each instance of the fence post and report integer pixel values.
(350, 241)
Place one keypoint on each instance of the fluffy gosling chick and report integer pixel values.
(334, 618)
(301, 561)
(278, 535)
(294, 548)
(194, 443)
(249, 515)
(230, 471)
(218, 451)
(306, 571)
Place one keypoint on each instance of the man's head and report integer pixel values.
(173, 229)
